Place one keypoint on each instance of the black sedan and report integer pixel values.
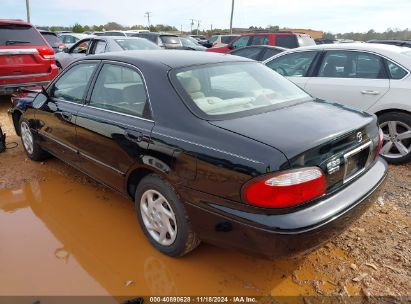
(258, 52)
(209, 147)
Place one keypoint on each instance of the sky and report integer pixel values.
(336, 16)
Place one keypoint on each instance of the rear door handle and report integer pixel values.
(370, 92)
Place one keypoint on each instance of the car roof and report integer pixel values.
(170, 58)
(376, 47)
(10, 21)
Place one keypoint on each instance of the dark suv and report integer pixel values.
(166, 41)
(26, 59)
(288, 40)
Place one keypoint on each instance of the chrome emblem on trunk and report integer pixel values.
(359, 137)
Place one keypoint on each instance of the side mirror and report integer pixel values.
(231, 46)
(66, 50)
(41, 99)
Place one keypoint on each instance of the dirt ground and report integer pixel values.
(83, 239)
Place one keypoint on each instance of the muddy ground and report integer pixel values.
(81, 238)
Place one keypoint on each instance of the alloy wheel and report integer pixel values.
(27, 137)
(158, 217)
(396, 139)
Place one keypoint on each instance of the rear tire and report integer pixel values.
(396, 127)
(162, 217)
(30, 145)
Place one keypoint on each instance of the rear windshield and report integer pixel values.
(170, 39)
(52, 39)
(227, 39)
(13, 34)
(221, 90)
(287, 41)
(136, 44)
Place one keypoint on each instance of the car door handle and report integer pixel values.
(134, 136)
(66, 116)
(370, 92)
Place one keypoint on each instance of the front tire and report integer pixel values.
(32, 148)
(396, 127)
(163, 218)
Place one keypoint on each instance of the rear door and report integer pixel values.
(354, 78)
(114, 127)
(21, 52)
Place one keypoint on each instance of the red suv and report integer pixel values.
(26, 59)
(286, 39)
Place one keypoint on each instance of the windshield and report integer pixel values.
(136, 44)
(187, 43)
(223, 89)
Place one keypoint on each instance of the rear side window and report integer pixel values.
(119, 89)
(13, 34)
(395, 71)
(287, 41)
(348, 64)
(294, 64)
(259, 40)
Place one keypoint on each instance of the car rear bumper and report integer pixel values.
(9, 85)
(284, 234)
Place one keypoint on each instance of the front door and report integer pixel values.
(58, 118)
(114, 127)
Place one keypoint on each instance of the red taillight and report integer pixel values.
(380, 141)
(46, 52)
(286, 188)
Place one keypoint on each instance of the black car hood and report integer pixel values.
(300, 127)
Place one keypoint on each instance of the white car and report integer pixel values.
(371, 77)
(70, 39)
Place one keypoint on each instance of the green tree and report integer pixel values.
(77, 28)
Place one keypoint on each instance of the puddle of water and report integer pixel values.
(62, 237)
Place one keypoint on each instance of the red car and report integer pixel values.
(284, 39)
(26, 59)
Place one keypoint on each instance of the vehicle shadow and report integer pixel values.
(98, 228)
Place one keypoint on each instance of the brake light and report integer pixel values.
(380, 142)
(286, 188)
(46, 52)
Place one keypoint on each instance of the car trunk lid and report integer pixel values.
(340, 140)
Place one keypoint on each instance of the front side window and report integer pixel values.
(349, 64)
(294, 64)
(241, 42)
(231, 88)
(120, 89)
(212, 39)
(73, 83)
(81, 47)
